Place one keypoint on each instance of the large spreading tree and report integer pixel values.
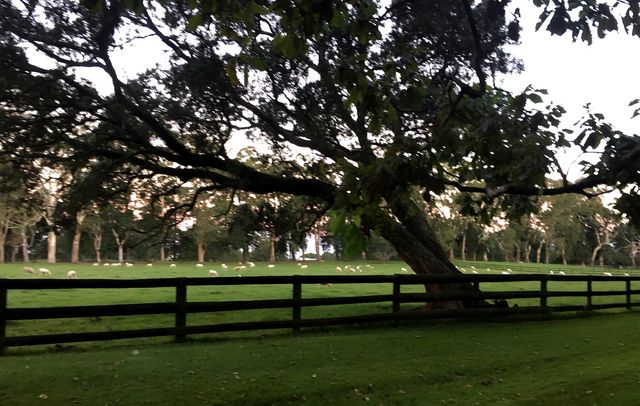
(358, 106)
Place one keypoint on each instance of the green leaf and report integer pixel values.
(195, 21)
(534, 97)
(254, 62)
(230, 68)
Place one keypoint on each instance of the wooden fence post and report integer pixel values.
(628, 286)
(396, 294)
(181, 311)
(543, 291)
(3, 318)
(296, 310)
(589, 294)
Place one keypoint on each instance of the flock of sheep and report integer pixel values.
(241, 267)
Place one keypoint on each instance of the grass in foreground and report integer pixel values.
(579, 361)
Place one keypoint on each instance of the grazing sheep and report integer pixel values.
(304, 266)
(224, 266)
(44, 271)
(271, 266)
(474, 271)
(28, 269)
(550, 272)
(128, 264)
(149, 264)
(116, 264)
(251, 264)
(626, 274)
(239, 268)
(338, 269)
(504, 273)
(172, 265)
(96, 264)
(107, 264)
(72, 275)
(403, 269)
(607, 274)
(213, 272)
(562, 273)
(199, 265)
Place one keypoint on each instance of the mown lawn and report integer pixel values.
(575, 361)
(569, 360)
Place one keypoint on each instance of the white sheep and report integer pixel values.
(107, 264)
(116, 264)
(72, 275)
(251, 264)
(28, 269)
(626, 274)
(562, 273)
(128, 264)
(504, 273)
(403, 269)
(199, 265)
(474, 271)
(271, 266)
(551, 272)
(607, 274)
(149, 264)
(213, 272)
(172, 265)
(44, 271)
(304, 266)
(96, 264)
(338, 269)
(224, 266)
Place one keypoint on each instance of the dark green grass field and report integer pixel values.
(566, 360)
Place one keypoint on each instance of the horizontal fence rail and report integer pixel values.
(181, 306)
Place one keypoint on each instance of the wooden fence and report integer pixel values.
(181, 307)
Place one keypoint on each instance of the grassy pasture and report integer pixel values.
(576, 361)
(247, 292)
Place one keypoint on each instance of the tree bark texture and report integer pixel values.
(75, 246)
(201, 251)
(417, 244)
(51, 247)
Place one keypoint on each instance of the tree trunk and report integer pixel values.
(97, 244)
(539, 254)
(272, 248)
(121, 252)
(25, 248)
(547, 254)
(594, 254)
(51, 247)
(463, 247)
(201, 251)
(75, 246)
(245, 254)
(14, 252)
(601, 260)
(527, 254)
(2, 252)
(417, 244)
(518, 258)
(563, 253)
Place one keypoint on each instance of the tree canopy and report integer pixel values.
(358, 106)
